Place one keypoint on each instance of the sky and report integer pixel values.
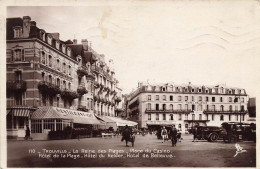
(202, 42)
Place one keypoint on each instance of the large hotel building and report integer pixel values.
(186, 105)
(53, 83)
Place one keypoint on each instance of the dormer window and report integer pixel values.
(229, 91)
(63, 48)
(207, 90)
(192, 90)
(200, 90)
(68, 52)
(57, 45)
(222, 90)
(17, 32)
(49, 38)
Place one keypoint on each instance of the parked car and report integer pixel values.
(239, 131)
(210, 133)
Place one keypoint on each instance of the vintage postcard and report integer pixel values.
(129, 84)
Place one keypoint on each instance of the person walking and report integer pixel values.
(164, 134)
(126, 135)
(195, 134)
(27, 133)
(173, 134)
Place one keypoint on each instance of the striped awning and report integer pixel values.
(75, 116)
(20, 111)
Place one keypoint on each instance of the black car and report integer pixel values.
(210, 133)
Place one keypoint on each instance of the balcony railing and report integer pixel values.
(82, 71)
(17, 85)
(168, 111)
(48, 88)
(82, 90)
(225, 112)
(69, 94)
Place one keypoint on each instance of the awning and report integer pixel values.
(60, 113)
(19, 111)
(121, 122)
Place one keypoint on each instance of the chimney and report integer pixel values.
(56, 36)
(26, 26)
(84, 44)
(74, 41)
(33, 23)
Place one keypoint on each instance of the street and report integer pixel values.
(148, 151)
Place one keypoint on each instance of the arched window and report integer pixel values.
(171, 117)
(221, 108)
(171, 107)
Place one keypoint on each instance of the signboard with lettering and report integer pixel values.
(74, 113)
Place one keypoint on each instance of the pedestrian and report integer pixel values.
(173, 134)
(127, 133)
(27, 132)
(195, 134)
(164, 134)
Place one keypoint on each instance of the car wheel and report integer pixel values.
(213, 137)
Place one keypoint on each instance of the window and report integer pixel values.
(58, 101)
(200, 98)
(207, 98)
(213, 99)
(180, 117)
(230, 107)
(186, 98)
(18, 99)
(17, 32)
(199, 107)
(193, 116)
(212, 116)
(149, 97)
(50, 60)
(230, 99)
(157, 116)
(213, 107)
(69, 70)
(192, 98)
(200, 116)
(221, 108)
(149, 106)
(18, 75)
(200, 90)
(164, 106)
(207, 90)
(229, 117)
(171, 98)
(18, 55)
(164, 116)
(171, 107)
(149, 116)
(69, 86)
(43, 58)
(242, 108)
(164, 97)
(192, 90)
(193, 107)
(186, 106)
(50, 79)
(242, 100)
(157, 106)
(163, 89)
(157, 97)
(221, 99)
(186, 116)
(179, 98)
(179, 106)
(221, 117)
(171, 117)
(64, 67)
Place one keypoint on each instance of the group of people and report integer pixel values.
(171, 134)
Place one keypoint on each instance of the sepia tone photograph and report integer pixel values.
(131, 84)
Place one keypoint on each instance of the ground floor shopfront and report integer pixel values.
(43, 120)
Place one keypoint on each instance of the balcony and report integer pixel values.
(134, 104)
(69, 94)
(16, 86)
(225, 112)
(82, 71)
(48, 88)
(184, 111)
(82, 90)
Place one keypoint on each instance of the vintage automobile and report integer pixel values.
(210, 133)
(239, 131)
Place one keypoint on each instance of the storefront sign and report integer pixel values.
(74, 113)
